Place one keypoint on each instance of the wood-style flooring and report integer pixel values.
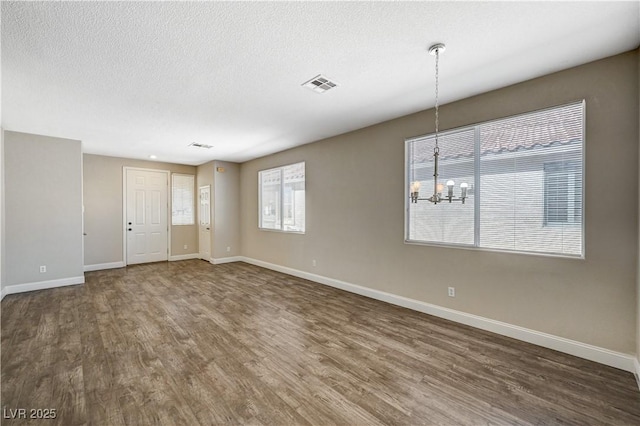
(188, 343)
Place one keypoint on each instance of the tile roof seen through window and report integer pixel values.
(555, 127)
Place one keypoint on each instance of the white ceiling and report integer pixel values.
(132, 79)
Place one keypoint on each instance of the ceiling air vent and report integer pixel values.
(201, 145)
(320, 84)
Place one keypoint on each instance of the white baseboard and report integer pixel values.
(43, 285)
(184, 257)
(220, 260)
(582, 350)
(2, 293)
(101, 266)
(636, 373)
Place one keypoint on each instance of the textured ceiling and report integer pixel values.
(133, 79)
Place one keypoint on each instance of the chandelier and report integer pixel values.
(437, 196)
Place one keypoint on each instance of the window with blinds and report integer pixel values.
(455, 224)
(525, 180)
(182, 199)
(282, 198)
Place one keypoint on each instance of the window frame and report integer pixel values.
(478, 190)
(193, 199)
(281, 203)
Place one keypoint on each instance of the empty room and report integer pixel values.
(323, 213)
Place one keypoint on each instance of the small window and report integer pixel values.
(182, 200)
(282, 198)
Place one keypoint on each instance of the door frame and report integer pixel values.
(124, 208)
(210, 222)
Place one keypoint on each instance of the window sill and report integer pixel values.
(281, 231)
(493, 250)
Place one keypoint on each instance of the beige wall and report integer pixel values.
(356, 235)
(226, 208)
(43, 195)
(2, 223)
(103, 222)
(638, 259)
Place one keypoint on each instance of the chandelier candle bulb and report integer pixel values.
(463, 190)
(450, 185)
(415, 191)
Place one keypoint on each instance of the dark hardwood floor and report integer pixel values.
(191, 343)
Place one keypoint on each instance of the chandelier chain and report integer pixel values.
(437, 149)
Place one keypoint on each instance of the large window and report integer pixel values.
(282, 198)
(525, 184)
(182, 200)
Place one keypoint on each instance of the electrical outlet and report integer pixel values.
(314, 263)
(185, 246)
(228, 249)
(452, 292)
(43, 269)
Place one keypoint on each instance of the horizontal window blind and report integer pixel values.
(525, 192)
(293, 211)
(270, 196)
(282, 198)
(182, 199)
(455, 223)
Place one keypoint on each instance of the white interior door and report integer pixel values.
(146, 216)
(204, 215)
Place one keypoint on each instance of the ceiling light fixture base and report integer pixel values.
(437, 48)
